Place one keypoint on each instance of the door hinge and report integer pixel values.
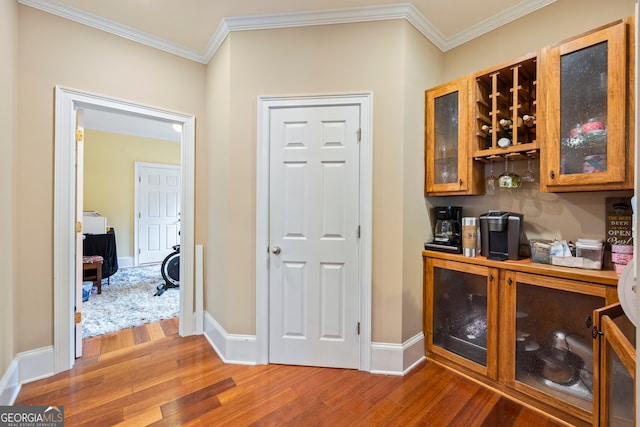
(358, 328)
(139, 251)
(77, 318)
(79, 135)
(359, 133)
(139, 215)
(78, 227)
(358, 232)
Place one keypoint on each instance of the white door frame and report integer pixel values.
(66, 102)
(136, 204)
(265, 104)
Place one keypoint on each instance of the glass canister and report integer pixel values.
(470, 236)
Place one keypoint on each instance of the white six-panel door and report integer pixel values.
(158, 215)
(313, 229)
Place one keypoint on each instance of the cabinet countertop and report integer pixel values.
(602, 277)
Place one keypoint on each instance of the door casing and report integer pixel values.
(66, 102)
(265, 104)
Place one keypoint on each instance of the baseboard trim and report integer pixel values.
(10, 384)
(397, 359)
(232, 348)
(126, 261)
(386, 359)
(26, 367)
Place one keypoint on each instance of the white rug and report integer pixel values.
(128, 301)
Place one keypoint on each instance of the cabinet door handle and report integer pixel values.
(552, 175)
(460, 181)
(510, 281)
(491, 277)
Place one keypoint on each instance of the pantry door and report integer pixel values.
(314, 235)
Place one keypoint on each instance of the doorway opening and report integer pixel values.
(67, 102)
(115, 178)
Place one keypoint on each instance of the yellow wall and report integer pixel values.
(56, 51)
(8, 144)
(109, 161)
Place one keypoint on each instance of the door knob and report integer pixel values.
(275, 249)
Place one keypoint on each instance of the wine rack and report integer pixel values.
(503, 96)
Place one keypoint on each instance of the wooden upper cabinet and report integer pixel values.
(587, 105)
(448, 169)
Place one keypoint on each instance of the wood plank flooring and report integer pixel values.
(149, 375)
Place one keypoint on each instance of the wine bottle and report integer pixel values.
(507, 127)
(486, 129)
(529, 120)
(506, 124)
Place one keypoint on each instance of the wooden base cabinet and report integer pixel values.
(521, 328)
(462, 324)
(545, 317)
(614, 382)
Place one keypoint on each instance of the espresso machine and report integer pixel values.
(447, 233)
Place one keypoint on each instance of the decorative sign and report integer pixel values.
(619, 221)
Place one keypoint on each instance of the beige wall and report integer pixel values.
(563, 215)
(387, 58)
(8, 144)
(391, 60)
(55, 51)
(549, 25)
(423, 65)
(218, 186)
(109, 172)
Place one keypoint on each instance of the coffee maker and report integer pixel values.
(500, 234)
(447, 234)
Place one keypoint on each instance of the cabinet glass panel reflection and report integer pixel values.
(583, 110)
(554, 348)
(460, 313)
(446, 138)
(620, 393)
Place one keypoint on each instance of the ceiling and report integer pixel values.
(195, 29)
(127, 124)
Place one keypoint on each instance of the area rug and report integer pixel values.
(127, 301)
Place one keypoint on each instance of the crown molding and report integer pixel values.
(296, 19)
(496, 21)
(56, 8)
(325, 17)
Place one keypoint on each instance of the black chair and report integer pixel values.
(103, 245)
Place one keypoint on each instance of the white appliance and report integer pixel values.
(93, 223)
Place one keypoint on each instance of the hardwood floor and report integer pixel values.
(149, 375)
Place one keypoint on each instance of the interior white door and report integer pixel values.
(159, 194)
(314, 236)
(79, 236)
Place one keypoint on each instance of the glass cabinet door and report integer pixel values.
(446, 129)
(461, 324)
(445, 118)
(617, 354)
(554, 357)
(586, 130)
